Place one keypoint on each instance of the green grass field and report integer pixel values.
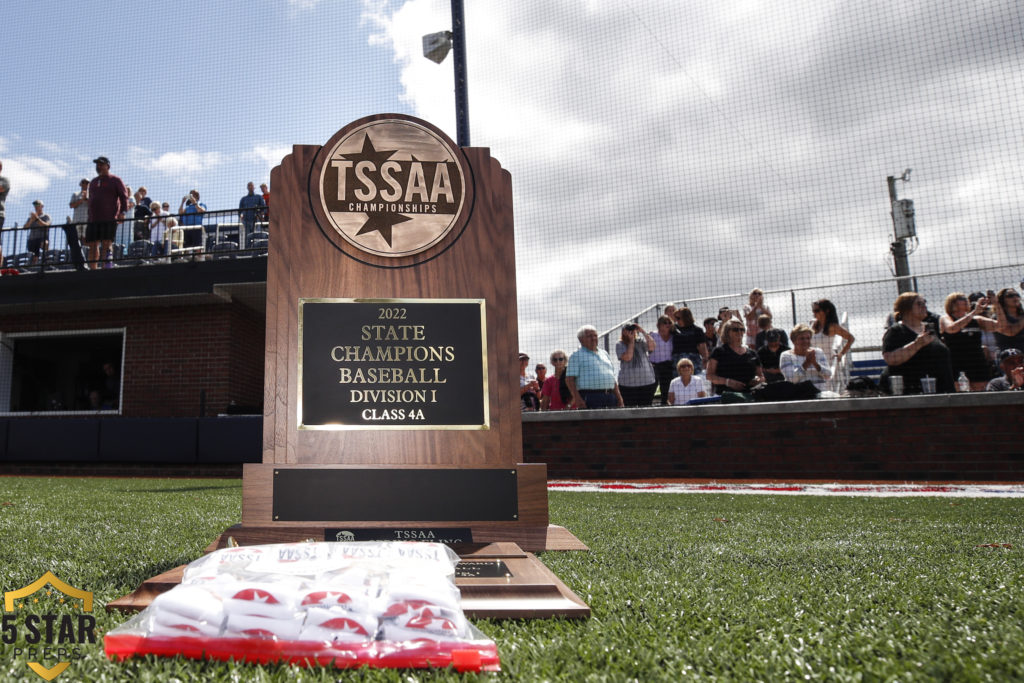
(682, 586)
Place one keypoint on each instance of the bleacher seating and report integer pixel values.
(56, 259)
(871, 368)
(138, 253)
(256, 236)
(223, 250)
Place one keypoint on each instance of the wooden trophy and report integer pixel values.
(392, 408)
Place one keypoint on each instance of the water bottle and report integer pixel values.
(962, 383)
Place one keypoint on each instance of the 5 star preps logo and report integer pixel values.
(391, 186)
(47, 621)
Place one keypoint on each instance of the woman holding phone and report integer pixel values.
(912, 350)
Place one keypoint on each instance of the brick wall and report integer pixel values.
(172, 353)
(939, 438)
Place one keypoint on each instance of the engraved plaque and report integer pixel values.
(482, 569)
(392, 364)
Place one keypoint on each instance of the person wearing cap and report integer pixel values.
(5, 187)
(39, 231)
(528, 388)
(1011, 362)
(590, 375)
(108, 201)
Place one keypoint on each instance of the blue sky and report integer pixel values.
(660, 150)
(178, 94)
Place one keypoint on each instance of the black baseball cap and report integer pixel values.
(1008, 353)
(101, 160)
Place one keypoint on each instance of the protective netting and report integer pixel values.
(660, 151)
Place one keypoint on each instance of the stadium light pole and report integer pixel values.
(435, 48)
(904, 231)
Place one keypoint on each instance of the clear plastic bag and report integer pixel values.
(378, 604)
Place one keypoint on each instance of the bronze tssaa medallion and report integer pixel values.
(392, 187)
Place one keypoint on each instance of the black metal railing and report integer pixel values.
(222, 234)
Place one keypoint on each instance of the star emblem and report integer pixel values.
(369, 153)
(380, 222)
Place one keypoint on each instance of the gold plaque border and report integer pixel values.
(354, 251)
(343, 427)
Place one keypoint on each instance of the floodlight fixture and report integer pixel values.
(436, 46)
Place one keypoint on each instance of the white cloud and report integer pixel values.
(30, 176)
(271, 155)
(663, 150)
(188, 163)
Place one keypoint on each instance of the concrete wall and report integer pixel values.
(960, 437)
(975, 437)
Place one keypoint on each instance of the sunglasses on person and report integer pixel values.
(558, 359)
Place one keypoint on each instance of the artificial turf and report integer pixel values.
(682, 586)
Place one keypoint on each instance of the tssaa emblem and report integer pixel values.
(47, 621)
(392, 187)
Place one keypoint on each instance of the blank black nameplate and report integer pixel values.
(394, 495)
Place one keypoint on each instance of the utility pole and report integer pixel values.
(902, 212)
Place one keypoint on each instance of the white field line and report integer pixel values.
(868, 490)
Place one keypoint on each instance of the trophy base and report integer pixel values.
(497, 581)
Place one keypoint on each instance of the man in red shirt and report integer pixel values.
(108, 200)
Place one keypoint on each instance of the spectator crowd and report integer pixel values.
(974, 344)
(103, 204)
